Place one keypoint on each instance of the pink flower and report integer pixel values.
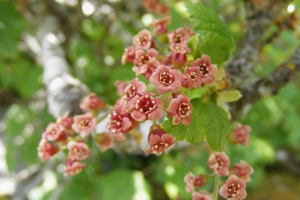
(201, 195)
(78, 150)
(233, 188)
(120, 122)
(46, 149)
(56, 132)
(161, 25)
(83, 124)
(191, 78)
(180, 35)
(133, 88)
(145, 107)
(120, 86)
(179, 56)
(207, 70)
(242, 170)
(128, 55)
(150, 5)
(104, 141)
(91, 102)
(165, 79)
(142, 40)
(149, 68)
(65, 121)
(240, 135)
(194, 181)
(141, 60)
(73, 167)
(219, 162)
(180, 109)
(163, 9)
(159, 140)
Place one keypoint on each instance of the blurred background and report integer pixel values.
(92, 36)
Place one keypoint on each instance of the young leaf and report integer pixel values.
(217, 39)
(208, 121)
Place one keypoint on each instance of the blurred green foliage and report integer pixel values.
(94, 54)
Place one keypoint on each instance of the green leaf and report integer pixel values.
(127, 185)
(217, 40)
(229, 96)
(193, 44)
(208, 121)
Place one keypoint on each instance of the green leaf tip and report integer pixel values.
(215, 38)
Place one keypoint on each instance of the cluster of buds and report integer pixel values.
(234, 186)
(70, 133)
(164, 63)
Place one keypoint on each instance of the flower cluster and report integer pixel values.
(164, 63)
(233, 188)
(70, 133)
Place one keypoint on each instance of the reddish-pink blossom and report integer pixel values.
(65, 121)
(161, 25)
(180, 109)
(240, 135)
(142, 40)
(194, 181)
(56, 132)
(149, 68)
(83, 124)
(150, 5)
(141, 60)
(207, 70)
(165, 79)
(120, 122)
(201, 195)
(78, 150)
(242, 170)
(191, 78)
(163, 9)
(133, 88)
(180, 35)
(219, 162)
(104, 141)
(120, 86)
(73, 167)
(179, 55)
(146, 107)
(128, 55)
(91, 102)
(233, 188)
(46, 149)
(159, 140)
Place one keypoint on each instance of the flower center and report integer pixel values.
(166, 78)
(53, 130)
(143, 60)
(129, 91)
(142, 40)
(145, 104)
(233, 190)
(184, 110)
(78, 151)
(178, 38)
(220, 163)
(85, 123)
(193, 76)
(204, 70)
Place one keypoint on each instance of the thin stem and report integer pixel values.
(216, 188)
